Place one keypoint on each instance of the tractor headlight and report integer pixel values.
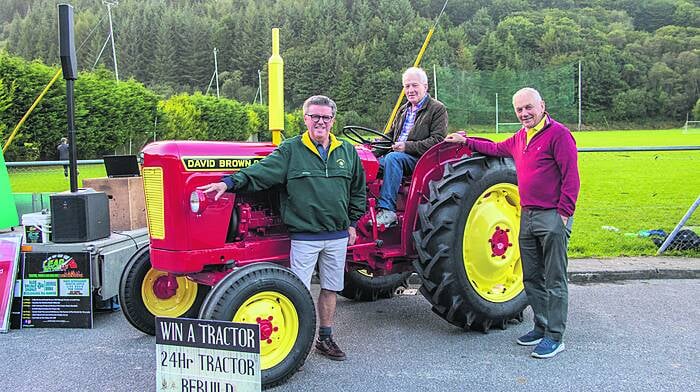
(197, 201)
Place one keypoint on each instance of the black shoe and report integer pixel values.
(330, 349)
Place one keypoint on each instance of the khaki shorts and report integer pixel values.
(330, 255)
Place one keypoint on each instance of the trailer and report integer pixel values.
(108, 257)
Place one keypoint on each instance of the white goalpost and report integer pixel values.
(691, 127)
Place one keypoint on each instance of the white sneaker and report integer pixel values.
(386, 218)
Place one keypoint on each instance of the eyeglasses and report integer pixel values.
(316, 118)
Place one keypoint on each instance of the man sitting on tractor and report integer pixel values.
(324, 197)
(420, 124)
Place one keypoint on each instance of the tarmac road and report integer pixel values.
(627, 336)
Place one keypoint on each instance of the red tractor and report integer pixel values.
(228, 259)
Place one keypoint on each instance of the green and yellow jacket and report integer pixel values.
(318, 196)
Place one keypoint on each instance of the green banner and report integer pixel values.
(8, 210)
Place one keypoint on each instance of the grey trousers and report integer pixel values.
(543, 243)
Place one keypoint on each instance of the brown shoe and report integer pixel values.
(328, 348)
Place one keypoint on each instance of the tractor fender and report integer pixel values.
(430, 167)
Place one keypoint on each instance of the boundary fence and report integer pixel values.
(678, 239)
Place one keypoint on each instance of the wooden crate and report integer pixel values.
(127, 203)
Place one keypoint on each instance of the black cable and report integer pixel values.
(136, 245)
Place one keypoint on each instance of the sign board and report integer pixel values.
(56, 291)
(16, 313)
(207, 355)
(9, 262)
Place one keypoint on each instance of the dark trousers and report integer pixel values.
(543, 243)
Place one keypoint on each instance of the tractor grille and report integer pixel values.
(153, 187)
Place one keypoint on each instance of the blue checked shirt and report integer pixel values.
(410, 119)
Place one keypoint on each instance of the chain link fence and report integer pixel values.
(631, 200)
(477, 98)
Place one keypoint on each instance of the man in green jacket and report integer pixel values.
(324, 196)
(420, 124)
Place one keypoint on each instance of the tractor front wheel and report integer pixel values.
(467, 242)
(145, 293)
(276, 299)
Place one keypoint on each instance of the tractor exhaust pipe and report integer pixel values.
(275, 67)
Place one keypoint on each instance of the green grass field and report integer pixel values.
(631, 191)
(49, 178)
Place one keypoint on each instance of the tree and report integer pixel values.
(481, 24)
(6, 97)
(631, 104)
(233, 87)
(687, 14)
(181, 119)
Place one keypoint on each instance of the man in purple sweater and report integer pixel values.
(545, 158)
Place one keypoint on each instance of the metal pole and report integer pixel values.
(579, 95)
(260, 86)
(496, 112)
(216, 72)
(73, 151)
(435, 81)
(210, 82)
(111, 34)
(680, 224)
(103, 49)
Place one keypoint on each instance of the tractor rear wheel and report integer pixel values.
(362, 285)
(145, 293)
(467, 242)
(276, 299)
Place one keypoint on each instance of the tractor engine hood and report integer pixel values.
(172, 170)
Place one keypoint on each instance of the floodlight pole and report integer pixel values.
(260, 86)
(579, 95)
(496, 112)
(435, 86)
(111, 34)
(216, 72)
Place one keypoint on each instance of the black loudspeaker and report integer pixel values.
(79, 217)
(66, 44)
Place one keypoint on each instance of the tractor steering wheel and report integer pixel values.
(351, 132)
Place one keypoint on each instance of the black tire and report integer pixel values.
(132, 301)
(362, 286)
(228, 297)
(463, 298)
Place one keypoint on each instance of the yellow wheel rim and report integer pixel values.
(490, 244)
(174, 305)
(279, 325)
(366, 273)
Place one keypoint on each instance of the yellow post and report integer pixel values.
(275, 67)
(36, 102)
(415, 64)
